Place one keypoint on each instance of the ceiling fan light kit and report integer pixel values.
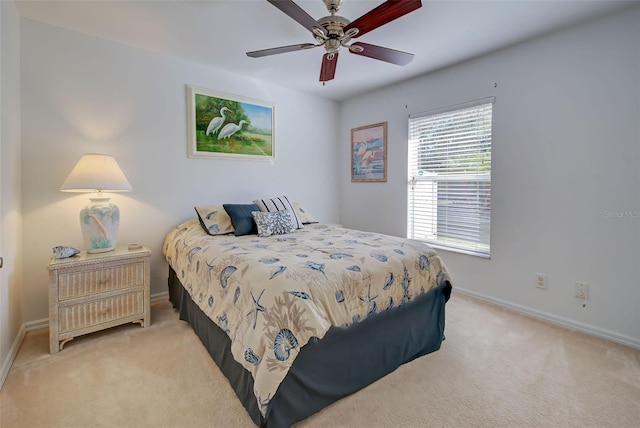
(333, 32)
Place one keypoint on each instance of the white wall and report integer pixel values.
(566, 152)
(82, 94)
(10, 187)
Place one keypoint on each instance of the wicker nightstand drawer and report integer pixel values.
(101, 311)
(90, 281)
(91, 292)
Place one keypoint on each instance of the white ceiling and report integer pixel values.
(218, 33)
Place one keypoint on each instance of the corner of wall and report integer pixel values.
(11, 356)
(11, 277)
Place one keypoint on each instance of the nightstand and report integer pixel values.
(92, 292)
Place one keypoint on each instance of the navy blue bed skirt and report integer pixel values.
(343, 362)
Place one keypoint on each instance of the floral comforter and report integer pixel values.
(272, 295)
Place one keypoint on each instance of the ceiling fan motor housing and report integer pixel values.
(334, 25)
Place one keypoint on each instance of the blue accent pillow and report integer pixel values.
(241, 218)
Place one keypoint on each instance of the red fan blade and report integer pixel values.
(328, 69)
(383, 54)
(281, 49)
(298, 14)
(386, 12)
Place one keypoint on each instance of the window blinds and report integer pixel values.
(449, 193)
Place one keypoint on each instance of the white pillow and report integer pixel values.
(274, 223)
(280, 203)
(303, 214)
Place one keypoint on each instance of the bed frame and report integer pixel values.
(329, 369)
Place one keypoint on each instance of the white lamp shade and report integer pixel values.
(95, 172)
(100, 220)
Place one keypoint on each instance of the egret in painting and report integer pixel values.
(229, 129)
(216, 122)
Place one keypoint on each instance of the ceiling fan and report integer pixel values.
(334, 31)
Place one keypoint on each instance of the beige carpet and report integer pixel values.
(496, 369)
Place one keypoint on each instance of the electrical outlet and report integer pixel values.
(582, 290)
(541, 281)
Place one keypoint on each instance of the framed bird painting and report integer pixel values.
(222, 125)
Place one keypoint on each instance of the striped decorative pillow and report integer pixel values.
(278, 204)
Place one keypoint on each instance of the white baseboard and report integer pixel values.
(159, 297)
(13, 352)
(564, 322)
(36, 325)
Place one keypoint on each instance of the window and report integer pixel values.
(449, 187)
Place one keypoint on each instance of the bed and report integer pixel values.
(300, 320)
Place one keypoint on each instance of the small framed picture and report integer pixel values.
(222, 125)
(369, 153)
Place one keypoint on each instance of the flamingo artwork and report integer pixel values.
(216, 122)
(229, 129)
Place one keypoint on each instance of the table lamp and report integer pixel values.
(99, 221)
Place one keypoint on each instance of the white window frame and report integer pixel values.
(469, 230)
